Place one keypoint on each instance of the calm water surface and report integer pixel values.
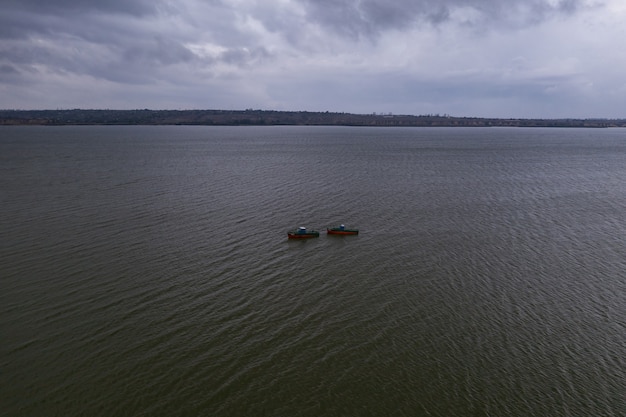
(145, 271)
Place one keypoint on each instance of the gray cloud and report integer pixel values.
(370, 17)
(73, 7)
(244, 56)
(409, 56)
(157, 51)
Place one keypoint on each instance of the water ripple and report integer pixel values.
(151, 275)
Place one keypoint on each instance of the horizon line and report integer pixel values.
(381, 114)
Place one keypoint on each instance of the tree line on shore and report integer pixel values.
(269, 117)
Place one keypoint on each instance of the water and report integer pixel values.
(145, 271)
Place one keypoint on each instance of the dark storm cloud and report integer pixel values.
(70, 7)
(24, 18)
(370, 17)
(133, 33)
(104, 39)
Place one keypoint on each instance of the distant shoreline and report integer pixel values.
(274, 118)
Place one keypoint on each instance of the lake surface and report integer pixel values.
(146, 271)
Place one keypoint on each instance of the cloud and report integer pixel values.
(72, 7)
(403, 56)
(369, 18)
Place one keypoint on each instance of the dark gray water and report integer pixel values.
(145, 271)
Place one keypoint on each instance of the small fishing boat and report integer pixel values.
(342, 230)
(302, 233)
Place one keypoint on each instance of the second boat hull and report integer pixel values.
(343, 232)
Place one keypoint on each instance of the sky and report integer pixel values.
(464, 58)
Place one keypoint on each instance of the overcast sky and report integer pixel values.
(484, 58)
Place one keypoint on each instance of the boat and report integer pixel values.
(302, 233)
(341, 230)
